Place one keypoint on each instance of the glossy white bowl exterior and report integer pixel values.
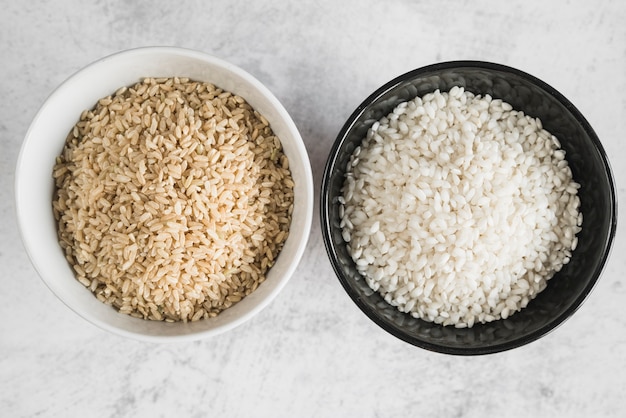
(45, 139)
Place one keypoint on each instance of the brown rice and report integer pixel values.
(173, 199)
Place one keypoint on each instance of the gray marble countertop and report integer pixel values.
(311, 353)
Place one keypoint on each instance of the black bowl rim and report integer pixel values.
(325, 220)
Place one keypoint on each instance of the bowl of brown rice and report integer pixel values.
(164, 194)
(468, 208)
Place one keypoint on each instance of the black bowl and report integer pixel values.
(567, 290)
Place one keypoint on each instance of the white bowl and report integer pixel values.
(45, 139)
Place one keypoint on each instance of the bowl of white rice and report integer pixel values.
(468, 207)
(164, 194)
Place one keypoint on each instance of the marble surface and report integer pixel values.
(311, 353)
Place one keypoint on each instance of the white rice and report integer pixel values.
(458, 209)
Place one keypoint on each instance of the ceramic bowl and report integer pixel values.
(567, 290)
(45, 139)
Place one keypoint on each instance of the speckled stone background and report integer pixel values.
(311, 353)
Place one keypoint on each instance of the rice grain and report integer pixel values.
(173, 199)
(458, 209)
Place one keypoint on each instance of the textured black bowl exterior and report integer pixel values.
(590, 167)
